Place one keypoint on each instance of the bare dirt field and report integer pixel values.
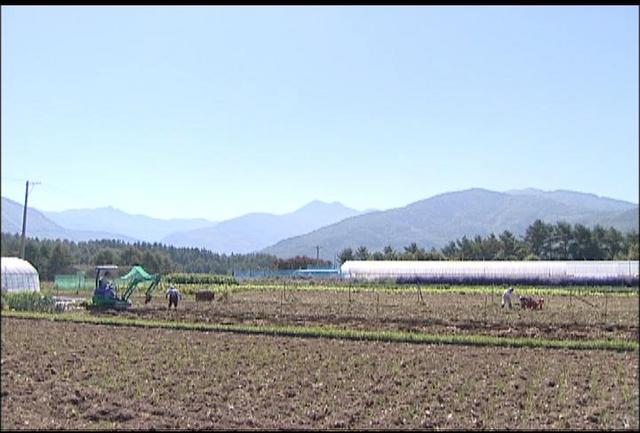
(576, 317)
(80, 376)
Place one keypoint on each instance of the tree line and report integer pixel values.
(301, 262)
(52, 257)
(542, 241)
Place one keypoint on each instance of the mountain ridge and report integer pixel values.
(254, 231)
(113, 220)
(431, 222)
(39, 226)
(445, 217)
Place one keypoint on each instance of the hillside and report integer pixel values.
(436, 221)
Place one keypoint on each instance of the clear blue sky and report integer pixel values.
(214, 112)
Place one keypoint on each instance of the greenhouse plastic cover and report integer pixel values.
(19, 275)
(513, 272)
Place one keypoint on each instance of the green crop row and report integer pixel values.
(185, 278)
(28, 301)
(407, 288)
(190, 288)
(350, 334)
(292, 286)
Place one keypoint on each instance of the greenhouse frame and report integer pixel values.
(19, 276)
(620, 272)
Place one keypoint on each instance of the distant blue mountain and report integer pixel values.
(39, 226)
(255, 231)
(109, 219)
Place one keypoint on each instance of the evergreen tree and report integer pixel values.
(59, 261)
(362, 253)
(345, 255)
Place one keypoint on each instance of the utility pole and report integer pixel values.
(24, 218)
(317, 254)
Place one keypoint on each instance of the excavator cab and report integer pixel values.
(106, 293)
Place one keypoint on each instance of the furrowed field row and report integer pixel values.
(337, 333)
(292, 285)
(528, 290)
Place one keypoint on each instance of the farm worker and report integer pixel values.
(103, 284)
(111, 291)
(506, 297)
(173, 294)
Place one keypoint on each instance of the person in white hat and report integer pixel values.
(506, 297)
(173, 294)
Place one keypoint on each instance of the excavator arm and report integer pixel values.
(137, 278)
(154, 284)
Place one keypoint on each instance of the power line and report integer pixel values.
(49, 185)
(12, 179)
(67, 191)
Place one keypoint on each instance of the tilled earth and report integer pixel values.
(563, 317)
(58, 375)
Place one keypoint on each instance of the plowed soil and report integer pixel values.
(77, 376)
(563, 317)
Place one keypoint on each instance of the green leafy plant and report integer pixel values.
(28, 301)
(193, 278)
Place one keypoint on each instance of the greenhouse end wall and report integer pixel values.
(496, 272)
(19, 276)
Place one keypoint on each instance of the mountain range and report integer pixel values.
(432, 222)
(255, 231)
(44, 228)
(112, 220)
(436, 221)
(244, 234)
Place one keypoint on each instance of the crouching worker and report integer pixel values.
(506, 297)
(531, 302)
(174, 295)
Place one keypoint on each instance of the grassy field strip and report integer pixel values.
(332, 332)
(189, 289)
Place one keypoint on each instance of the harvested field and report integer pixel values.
(563, 317)
(75, 376)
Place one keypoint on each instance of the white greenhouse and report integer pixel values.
(19, 276)
(496, 272)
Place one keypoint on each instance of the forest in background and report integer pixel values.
(542, 241)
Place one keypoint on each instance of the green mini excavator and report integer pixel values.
(106, 295)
